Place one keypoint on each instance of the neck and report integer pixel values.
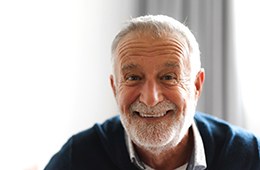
(168, 157)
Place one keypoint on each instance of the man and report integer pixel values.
(157, 82)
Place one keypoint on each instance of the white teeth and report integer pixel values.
(152, 115)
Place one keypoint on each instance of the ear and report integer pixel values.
(112, 83)
(199, 83)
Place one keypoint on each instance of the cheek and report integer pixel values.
(180, 97)
(125, 97)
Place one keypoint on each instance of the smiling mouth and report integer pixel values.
(147, 115)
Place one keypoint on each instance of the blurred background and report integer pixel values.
(55, 66)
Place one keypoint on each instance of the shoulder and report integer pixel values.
(96, 132)
(215, 127)
(87, 149)
(227, 144)
(94, 144)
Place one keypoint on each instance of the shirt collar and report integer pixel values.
(133, 155)
(198, 157)
(197, 160)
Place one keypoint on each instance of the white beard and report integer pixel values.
(159, 135)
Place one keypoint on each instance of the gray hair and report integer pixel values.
(158, 26)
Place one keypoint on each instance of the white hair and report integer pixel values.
(158, 26)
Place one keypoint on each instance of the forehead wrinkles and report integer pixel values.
(138, 47)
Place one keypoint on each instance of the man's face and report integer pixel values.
(154, 89)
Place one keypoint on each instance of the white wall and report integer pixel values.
(54, 68)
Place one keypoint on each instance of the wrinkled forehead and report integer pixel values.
(148, 42)
(136, 48)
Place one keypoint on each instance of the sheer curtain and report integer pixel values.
(212, 24)
(247, 37)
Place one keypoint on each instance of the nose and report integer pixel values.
(151, 93)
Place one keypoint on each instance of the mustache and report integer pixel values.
(161, 108)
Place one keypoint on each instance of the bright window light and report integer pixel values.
(247, 37)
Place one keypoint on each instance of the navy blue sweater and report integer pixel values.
(102, 147)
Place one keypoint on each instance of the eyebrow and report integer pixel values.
(128, 67)
(172, 64)
(131, 66)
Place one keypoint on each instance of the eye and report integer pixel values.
(133, 78)
(169, 79)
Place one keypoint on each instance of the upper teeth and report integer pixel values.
(152, 115)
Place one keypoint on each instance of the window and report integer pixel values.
(247, 37)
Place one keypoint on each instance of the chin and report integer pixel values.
(154, 136)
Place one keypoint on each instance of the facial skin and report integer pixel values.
(155, 89)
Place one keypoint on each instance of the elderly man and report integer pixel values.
(157, 82)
